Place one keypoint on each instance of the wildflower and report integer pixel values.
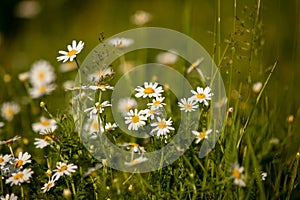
(135, 119)
(149, 90)
(126, 104)
(23, 77)
(42, 143)
(67, 67)
(48, 186)
(63, 169)
(257, 87)
(167, 58)
(100, 74)
(44, 124)
(93, 169)
(98, 107)
(202, 96)
(157, 103)
(136, 148)
(4, 159)
(140, 17)
(41, 90)
(73, 50)
(110, 126)
(201, 135)
(10, 141)
(162, 127)
(151, 113)
(102, 87)
(188, 105)
(11, 196)
(121, 42)
(237, 174)
(22, 160)
(19, 177)
(136, 161)
(41, 73)
(9, 110)
(264, 176)
(194, 65)
(92, 126)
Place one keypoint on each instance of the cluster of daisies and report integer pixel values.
(13, 169)
(154, 113)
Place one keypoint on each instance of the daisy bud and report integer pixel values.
(298, 155)
(7, 78)
(42, 104)
(257, 87)
(230, 109)
(290, 119)
(23, 77)
(67, 193)
(130, 187)
(49, 173)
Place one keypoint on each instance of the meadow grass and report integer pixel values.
(253, 137)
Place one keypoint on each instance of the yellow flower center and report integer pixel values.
(162, 125)
(9, 111)
(148, 90)
(135, 119)
(63, 168)
(133, 144)
(18, 163)
(41, 75)
(202, 134)
(187, 106)
(45, 123)
(200, 96)
(156, 103)
(72, 52)
(48, 186)
(42, 89)
(47, 138)
(1, 160)
(95, 125)
(236, 173)
(18, 176)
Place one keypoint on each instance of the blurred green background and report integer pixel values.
(38, 31)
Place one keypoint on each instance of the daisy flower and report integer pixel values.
(257, 87)
(92, 126)
(93, 169)
(4, 159)
(100, 74)
(149, 90)
(135, 119)
(102, 87)
(202, 96)
(194, 65)
(151, 113)
(22, 160)
(9, 110)
(44, 124)
(48, 186)
(19, 177)
(23, 77)
(10, 141)
(41, 73)
(162, 127)
(41, 90)
(127, 104)
(42, 143)
(63, 169)
(201, 135)
(157, 103)
(140, 17)
(110, 126)
(67, 67)
(73, 50)
(121, 42)
(167, 58)
(237, 174)
(188, 105)
(136, 161)
(11, 196)
(136, 148)
(98, 107)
